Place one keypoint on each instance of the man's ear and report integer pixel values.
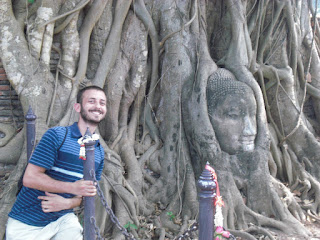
(77, 107)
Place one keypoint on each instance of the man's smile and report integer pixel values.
(96, 112)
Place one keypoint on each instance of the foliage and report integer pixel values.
(171, 216)
(129, 226)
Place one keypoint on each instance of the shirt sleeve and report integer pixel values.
(45, 153)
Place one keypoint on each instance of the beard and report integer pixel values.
(85, 116)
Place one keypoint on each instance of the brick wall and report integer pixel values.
(10, 107)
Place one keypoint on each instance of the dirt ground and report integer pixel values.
(313, 227)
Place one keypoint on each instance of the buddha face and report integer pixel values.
(234, 122)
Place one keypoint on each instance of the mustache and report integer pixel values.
(95, 110)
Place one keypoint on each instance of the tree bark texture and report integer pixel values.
(158, 63)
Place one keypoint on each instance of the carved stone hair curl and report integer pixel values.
(222, 83)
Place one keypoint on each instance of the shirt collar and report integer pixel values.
(75, 132)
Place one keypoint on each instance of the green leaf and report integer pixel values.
(171, 215)
(127, 225)
(130, 226)
(31, 1)
(134, 226)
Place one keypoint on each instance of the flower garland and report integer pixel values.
(218, 203)
(82, 141)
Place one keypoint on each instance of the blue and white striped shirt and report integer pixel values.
(63, 165)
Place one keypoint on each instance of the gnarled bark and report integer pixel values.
(154, 60)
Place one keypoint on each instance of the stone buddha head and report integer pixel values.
(232, 111)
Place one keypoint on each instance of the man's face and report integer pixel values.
(93, 106)
(234, 122)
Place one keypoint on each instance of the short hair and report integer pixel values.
(81, 91)
(222, 83)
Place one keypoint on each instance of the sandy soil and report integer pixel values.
(314, 228)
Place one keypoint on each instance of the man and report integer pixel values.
(53, 183)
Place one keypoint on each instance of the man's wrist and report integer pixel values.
(76, 201)
(69, 187)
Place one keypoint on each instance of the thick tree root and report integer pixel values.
(242, 234)
(260, 231)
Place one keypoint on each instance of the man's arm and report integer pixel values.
(53, 202)
(36, 178)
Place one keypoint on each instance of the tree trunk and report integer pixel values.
(170, 69)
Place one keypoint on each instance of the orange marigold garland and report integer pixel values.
(218, 203)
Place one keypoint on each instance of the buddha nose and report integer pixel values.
(250, 127)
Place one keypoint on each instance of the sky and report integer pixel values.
(318, 4)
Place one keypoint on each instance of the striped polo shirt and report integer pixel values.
(63, 165)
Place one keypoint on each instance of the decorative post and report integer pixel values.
(89, 205)
(31, 131)
(206, 206)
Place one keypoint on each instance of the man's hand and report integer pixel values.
(84, 188)
(55, 203)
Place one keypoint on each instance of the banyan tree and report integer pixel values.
(231, 82)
